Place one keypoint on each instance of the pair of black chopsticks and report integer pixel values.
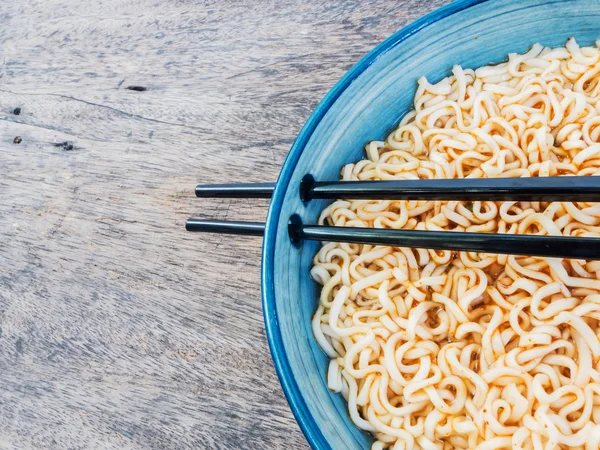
(534, 189)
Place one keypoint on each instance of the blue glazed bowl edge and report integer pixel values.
(291, 390)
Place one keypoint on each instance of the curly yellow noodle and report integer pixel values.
(441, 350)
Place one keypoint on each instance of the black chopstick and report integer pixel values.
(543, 189)
(512, 244)
(226, 227)
(503, 244)
(239, 190)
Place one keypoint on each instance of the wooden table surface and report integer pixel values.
(117, 328)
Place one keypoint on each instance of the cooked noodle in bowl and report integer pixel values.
(446, 350)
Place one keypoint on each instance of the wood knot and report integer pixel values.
(17, 140)
(137, 88)
(66, 145)
(17, 111)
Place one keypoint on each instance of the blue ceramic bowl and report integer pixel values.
(365, 105)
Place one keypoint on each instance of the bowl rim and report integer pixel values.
(294, 396)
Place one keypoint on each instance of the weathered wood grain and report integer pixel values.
(118, 329)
